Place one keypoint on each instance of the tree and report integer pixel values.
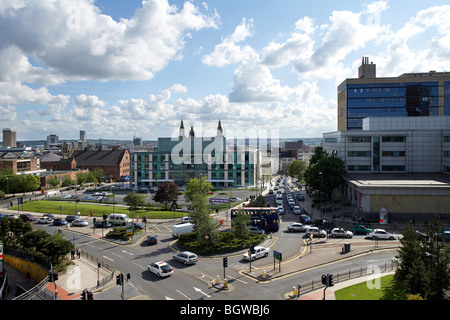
(319, 154)
(134, 200)
(168, 191)
(332, 169)
(99, 174)
(239, 225)
(197, 195)
(53, 181)
(258, 201)
(81, 178)
(57, 247)
(297, 169)
(67, 181)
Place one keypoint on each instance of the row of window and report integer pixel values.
(383, 153)
(368, 168)
(383, 139)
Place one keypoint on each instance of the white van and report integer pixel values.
(118, 219)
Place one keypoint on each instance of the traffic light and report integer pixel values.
(330, 280)
(225, 262)
(324, 279)
(252, 248)
(52, 276)
(90, 296)
(83, 295)
(119, 279)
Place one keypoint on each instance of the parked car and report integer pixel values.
(44, 220)
(381, 234)
(152, 239)
(296, 227)
(102, 224)
(280, 210)
(79, 223)
(27, 217)
(138, 225)
(360, 229)
(59, 222)
(12, 216)
(341, 233)
(297, 210)
(186, 220)
(70, 218)
(254, 229)
(304, 218)
(161, 269)
(260, 252)
(316, 232)
(186, 257)
(300, 197)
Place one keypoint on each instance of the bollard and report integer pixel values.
(217, 279)
(294, 291)
(225, 283)
(264, 275)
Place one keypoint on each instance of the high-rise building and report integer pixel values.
(408, 95)
(82, 136)
(9, 138)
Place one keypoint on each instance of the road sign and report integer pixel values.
(277, 255)
(215, 200)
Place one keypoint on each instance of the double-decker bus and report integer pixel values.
(265, 218)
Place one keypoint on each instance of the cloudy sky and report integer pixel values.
(117, 68)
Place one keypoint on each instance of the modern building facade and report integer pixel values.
(182, 158)
(408, 95)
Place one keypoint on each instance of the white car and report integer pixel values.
(381, 234)
(186, 257)
(296, 226)
(44, 220)
(316, 232)
(280, 210)
(161, 269)
(341, 233)
(253, 229)
(297, 210)
(80, 223)
(279, 196)
(260, 252)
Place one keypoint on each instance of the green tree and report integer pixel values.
(332, 169)
(297, 169)
(81, 178)
(258, 201)
(319, 154)
(53, 181)
(134, 200)
(67, 181)
(168, 191)
(240, 224)
(99, 174)
(196, 194)
(57, 246)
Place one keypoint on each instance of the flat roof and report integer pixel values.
(402, 180)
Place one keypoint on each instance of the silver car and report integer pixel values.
(186, 257)
(341, 233)
(296, 227)
(79, 223)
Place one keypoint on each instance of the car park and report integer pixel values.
(161, 269)
(297, 210)
(80, 223)
(59, 222)
(296, 227)
(152, 239)
(341, 233)
(381, 234)
(260, 252)
(360, 229)
(315, 232)
(186, 257)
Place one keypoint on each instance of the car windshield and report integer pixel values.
(166, 267)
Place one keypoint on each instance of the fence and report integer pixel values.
(316, 284)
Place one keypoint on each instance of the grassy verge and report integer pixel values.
(389, 290)
(69, 208)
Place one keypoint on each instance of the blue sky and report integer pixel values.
(122, 68)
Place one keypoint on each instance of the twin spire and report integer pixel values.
(192, 133)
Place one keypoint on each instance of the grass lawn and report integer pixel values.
(389, 290)
(68, 208)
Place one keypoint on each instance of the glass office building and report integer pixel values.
(182, 158)
(409, 95)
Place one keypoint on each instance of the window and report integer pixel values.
(394, 139)
(359, 153)
(358, 168)
(393, 153)
(358, 139)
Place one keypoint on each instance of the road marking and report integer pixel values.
(137, 264)
(183, 295)
(117, 255)
(108, 258)
(237, 279)
(131, 254)
(200, 290)
(169, 298)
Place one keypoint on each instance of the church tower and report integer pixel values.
(181, 135)
(219, 130)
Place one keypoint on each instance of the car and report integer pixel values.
(304, 218)
(160, 268)
(381, 234)
(80, 223)
(87, 198)
(279, 196)
(152, 239)
(235, 199)
(361, 229)
(296, 226)
(341, 233)
(300, 197)
(316, 232)
(70, 218)
(297, 210)
(260, 252)
(254, 229)
(27, 217)
(186, 257)
(66, 196)
(102, 224)
(59, 222)
(44, 220)
(138, 225)
(12, 216)
(280, 210)
(186, 220)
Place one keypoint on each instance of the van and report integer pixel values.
(118, 219)
(179, 229)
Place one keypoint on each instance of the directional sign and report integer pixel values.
(277, 255)
(215, 200)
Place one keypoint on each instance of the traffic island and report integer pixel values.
(221, 286)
